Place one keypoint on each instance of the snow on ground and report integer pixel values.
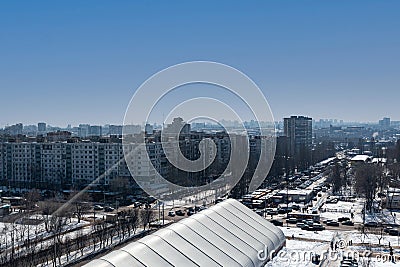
(343, 209)
(297, 254)
(78, 254)
(358, 237)
(325, 235)
(24, 231)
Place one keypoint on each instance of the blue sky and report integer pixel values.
(80, 61)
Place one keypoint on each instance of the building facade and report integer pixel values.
(298, 130)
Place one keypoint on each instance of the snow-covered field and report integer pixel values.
(325, 235)
(343, 209)
(297, 253)
(21, 232)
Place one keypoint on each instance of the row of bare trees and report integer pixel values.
(21, 242)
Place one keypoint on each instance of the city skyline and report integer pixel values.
(333, 121)
(84, 64)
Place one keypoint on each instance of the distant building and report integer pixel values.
(384, 123)
(179, 126)
(132, 129)
(83, 130)
(58, 136)
(115, 130)
(148, 129)
(95, 130)
(41, 127)
(15, 129)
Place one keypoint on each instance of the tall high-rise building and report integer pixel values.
(384, 123)
(298, 129)
(42, 127)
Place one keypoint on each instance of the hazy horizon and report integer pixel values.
(81, 62)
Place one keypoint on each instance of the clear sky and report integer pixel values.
(80, 61)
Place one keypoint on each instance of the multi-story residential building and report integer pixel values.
(15, 129)
(62, 161)
(55, 164)
(115, 130)
(95, 130)
(62, 165)
(299, 131)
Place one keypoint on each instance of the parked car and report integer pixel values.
(202, 208)
(190, 213)
(295, 207)
(97, 207)
(171, 213)
(342, 219)
(318, 227)
(272, 212)
(307, 227)
(332, 200)
(180, 213)
(332, 223)
(137, 204)
(283, 210)
(371, 224)
(276, 222)
(348, 222)
(191, 209)
(394, 232)
(108, 209)
(291, 220)
(300, 224)
(308, 222)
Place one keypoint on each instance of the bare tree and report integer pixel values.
(366, 183)
(31, 198)
(47, 208)
(79, 202)
(146, 216)
(336, 178)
